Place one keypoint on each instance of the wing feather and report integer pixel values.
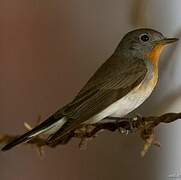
(113, 80)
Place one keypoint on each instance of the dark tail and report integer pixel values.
(21, 139)
(44, 126)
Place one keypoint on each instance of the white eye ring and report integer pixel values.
(144, 37)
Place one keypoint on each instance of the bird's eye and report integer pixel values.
(144, 37)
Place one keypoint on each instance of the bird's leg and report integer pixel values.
(127, 130)
(135, 122)
(117, 120)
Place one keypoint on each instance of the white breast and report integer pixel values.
(129, 102)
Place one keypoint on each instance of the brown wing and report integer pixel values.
(113, 80)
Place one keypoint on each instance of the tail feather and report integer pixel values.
(45, 126)
(17, 141)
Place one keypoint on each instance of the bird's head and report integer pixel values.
(144, 44)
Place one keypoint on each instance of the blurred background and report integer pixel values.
(48, 50)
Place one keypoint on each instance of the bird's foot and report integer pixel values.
(130, 128)
(117, 120)
(133, 121)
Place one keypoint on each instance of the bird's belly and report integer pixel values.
(129, 103)
(125, 105)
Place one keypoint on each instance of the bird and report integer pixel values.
(120, 85)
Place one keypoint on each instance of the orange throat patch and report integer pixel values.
(154, 55)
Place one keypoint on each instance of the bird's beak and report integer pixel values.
(159, 46)
(167, 41)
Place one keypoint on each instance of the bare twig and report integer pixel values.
(144, 126)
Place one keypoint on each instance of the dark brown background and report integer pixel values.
(48, 50)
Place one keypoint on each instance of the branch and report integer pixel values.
(144, 126)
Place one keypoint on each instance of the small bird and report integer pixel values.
(118, 87)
